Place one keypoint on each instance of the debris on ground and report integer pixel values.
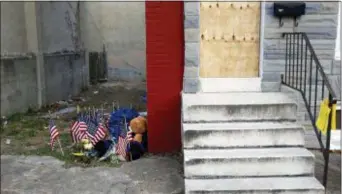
(60, 112)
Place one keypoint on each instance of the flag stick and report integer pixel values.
(129, 143)
(59, 143)
(102, 111)
(60, 146)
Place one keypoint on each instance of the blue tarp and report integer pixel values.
(116, 125)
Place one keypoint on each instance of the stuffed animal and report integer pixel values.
(137, 137)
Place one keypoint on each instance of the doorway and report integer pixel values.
(230, 46)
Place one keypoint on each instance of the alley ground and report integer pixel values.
(28, 166)
(150, 175)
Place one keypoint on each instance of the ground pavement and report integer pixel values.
(152, 175)
(46, 175)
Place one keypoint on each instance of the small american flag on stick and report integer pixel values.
(78, 130)
(122, 142)
(53, 133)
(96, 131)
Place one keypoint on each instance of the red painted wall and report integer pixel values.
(165, 66)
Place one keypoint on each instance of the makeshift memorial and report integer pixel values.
(96, 135)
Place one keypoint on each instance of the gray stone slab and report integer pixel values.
(192, 35)
(271, 76)
(191, 85)
(277, 54)
(191, 8)
(317, 32)
(191, 72)
(191, 22)
(270, 86)
(276, 65)
(327, 20)
(192, 54)
(280, 44)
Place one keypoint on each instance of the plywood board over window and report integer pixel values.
(229, 39)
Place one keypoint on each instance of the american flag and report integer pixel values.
(78, 129)
(53, 133)
(122, 143)
(96, 131)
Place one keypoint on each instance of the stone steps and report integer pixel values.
(237, 107)
(280, 185)
(234, 135)
(245, 142)
(256, 162)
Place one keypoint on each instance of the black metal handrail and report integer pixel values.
(299, 52)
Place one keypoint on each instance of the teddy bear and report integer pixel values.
(137, 137)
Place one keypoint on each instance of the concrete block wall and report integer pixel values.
(320, 24)
(64, 74)
(18, 85)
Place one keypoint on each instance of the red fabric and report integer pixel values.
(165, 66)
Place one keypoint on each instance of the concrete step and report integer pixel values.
(281, 185)
(243, 106)
(233, 135)
(256, 162)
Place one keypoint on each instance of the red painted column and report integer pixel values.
(165, 66)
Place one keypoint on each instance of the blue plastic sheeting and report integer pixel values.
(116, 124)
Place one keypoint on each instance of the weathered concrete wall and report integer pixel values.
(91, 14)
(120, 26)
(58, 24)
(320, 23)
(64, 74)
(18, 85)
(64, 77)
(13, 32)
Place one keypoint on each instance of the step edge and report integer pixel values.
(262, 152)
(315, 184)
